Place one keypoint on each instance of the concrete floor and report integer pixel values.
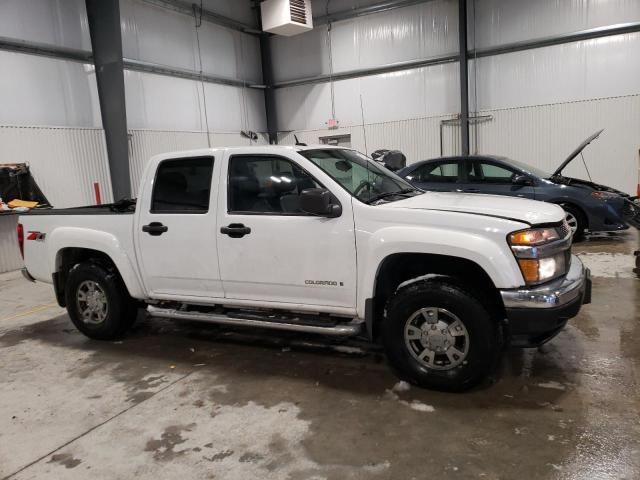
(183, 400)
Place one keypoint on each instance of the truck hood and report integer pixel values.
(519, 209)
(577, 152)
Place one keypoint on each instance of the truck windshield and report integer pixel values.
(360, 176)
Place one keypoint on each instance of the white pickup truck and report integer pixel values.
(319, 240)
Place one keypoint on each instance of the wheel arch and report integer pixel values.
(402, 269)
(66, 258)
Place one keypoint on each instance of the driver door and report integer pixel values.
(485, 176)
(271, 251)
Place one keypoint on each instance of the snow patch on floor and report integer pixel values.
(418, 406)
(609, 265)
(401, 386)
(553, 385)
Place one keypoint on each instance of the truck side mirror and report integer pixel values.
(317, 201)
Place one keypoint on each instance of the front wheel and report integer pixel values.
(438, 336)
(98, 302)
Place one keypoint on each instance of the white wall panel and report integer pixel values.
(239, 10)
(410, 33)
(544, 135)
(44, 91)
(423, 92)
(602, 67)
(157, 35)
(55, 22)
(64, 161)
(507, 21)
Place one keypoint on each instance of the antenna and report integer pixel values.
(364, 130)
(298, 142)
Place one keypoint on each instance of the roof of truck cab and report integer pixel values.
(257, 148)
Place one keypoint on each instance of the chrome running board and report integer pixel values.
(250, 319)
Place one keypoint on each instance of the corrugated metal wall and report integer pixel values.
(64, 161)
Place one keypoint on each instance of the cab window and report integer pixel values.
(486, 172)
(439, 172)
(182, 186)
(266, 185)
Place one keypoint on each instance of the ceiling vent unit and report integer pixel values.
(286, 17)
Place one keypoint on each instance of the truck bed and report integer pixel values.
(122, 207)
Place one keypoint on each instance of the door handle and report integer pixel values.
(235, 230)
(155, 228)
(471, 190)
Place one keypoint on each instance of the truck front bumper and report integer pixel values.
(536, 315)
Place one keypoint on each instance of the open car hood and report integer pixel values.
(577, 151)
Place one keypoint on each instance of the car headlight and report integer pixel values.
(542, 253)
(601, 195)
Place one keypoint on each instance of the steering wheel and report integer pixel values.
(359, 188)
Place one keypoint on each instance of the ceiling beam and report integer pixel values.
(362, 11)
(212, 17)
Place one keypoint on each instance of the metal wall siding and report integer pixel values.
(418, 93)
(157, 35)
(506, 21)
(410, 33)
(598, 68)
(64, 161)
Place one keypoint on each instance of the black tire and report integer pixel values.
(581, 220)
(483, 336)
(121, 309)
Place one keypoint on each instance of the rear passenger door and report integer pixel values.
(438, 176)
(175, 232)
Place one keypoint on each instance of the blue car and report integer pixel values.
(589, 206)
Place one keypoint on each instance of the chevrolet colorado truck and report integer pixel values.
(320, 240)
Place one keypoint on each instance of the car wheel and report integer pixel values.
(438, 336)
(576, 220)
(98, 302)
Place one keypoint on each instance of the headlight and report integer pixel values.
(534, 237)
(601, 195)
(541, 253)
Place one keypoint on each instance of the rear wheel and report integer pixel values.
(98, 302)
(438, 336)
(576, 220)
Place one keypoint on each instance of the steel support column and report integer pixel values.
(464, 77)
(106, 43)
(269, 92)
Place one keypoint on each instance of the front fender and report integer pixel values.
(488, 249)
(73, 237)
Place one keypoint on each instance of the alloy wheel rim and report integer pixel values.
(572, 221)
(437, 338)
(92, 302)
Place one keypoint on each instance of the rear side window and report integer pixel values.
(266, 185)
(442, 172)
(182, 186)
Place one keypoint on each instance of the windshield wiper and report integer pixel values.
(400, 193)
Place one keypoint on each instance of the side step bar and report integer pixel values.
(349, 329)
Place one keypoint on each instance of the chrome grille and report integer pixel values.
(564, 229)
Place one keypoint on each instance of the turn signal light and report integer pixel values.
(529, 268)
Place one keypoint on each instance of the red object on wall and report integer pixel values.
(96, 189)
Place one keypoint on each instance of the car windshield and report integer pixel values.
(528, 168)
(361, 177)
